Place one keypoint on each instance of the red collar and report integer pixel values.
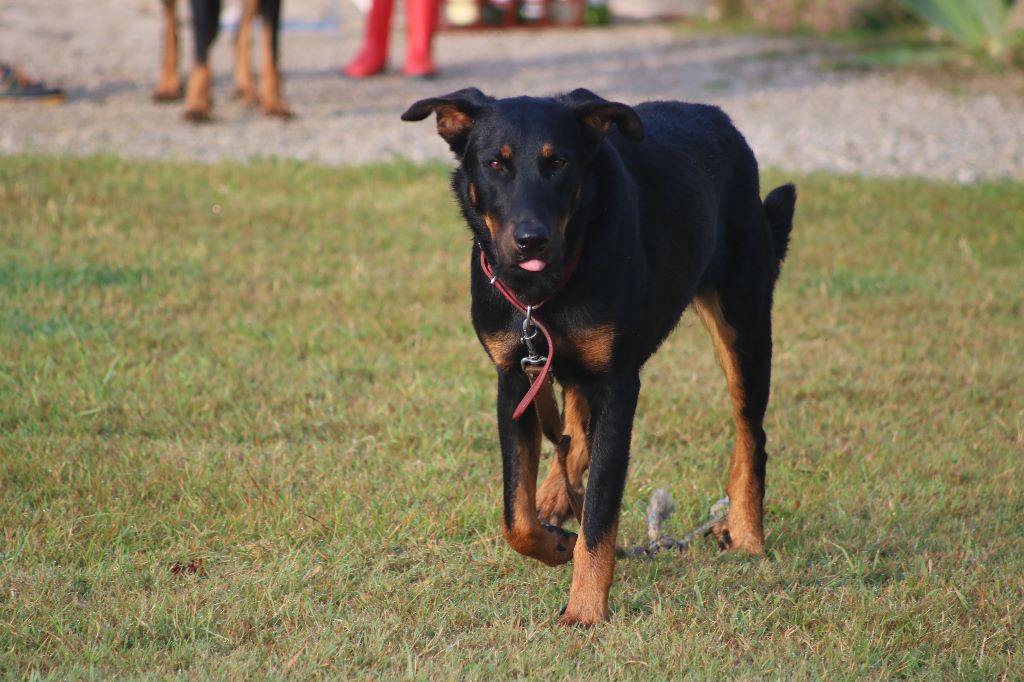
(570, 268)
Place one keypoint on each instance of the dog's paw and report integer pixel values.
(197, 115)
(271, 99)
(557, 501)
(278, 109)
(583, 618)
(565, 542)
(553, 507)
(733, 536)
(168, 93)
(247, 94)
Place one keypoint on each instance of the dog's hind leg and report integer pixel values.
(168, 88)
(553, 505)
(739, 320)
(738, 313)
(206, 20)
(245, 89)
(520, 453)
(271, 98)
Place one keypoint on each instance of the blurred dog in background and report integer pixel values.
(206, 23)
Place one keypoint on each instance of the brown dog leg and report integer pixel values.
(741, 352)
(198, 103)
(168, 88)
(520, 450)
(612, 403)
(592, 575)
(271, 98)
(245, 86)
(553, 498)
(206, 22)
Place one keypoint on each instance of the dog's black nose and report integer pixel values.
(531, 236)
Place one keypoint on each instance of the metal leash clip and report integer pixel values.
(529, 334)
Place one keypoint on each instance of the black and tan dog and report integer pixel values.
(617, 219)
(206, 22)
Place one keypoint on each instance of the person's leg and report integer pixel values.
(373, 55)
(421, 18)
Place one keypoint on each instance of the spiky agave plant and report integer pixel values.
(975, 24)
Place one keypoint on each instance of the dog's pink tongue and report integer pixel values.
(533, 265)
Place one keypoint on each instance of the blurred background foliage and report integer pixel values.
(991, 31)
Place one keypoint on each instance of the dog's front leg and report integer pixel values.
(271, 98)
(520, 454)
(612, 405)
(169, 87)
(244, 87)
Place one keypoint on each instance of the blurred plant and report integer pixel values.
(987, 25)
(822, 16)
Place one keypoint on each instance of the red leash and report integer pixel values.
(538, 383)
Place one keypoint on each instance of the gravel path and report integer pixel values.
(796, 112)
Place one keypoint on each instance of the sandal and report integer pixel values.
(16, 87)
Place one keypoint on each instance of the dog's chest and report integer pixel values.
(590, 349)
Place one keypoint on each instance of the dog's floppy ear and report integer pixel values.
(597, 115)
(456, 114)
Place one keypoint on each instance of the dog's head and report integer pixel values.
(522, 177)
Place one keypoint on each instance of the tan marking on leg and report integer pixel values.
(504, 349)
(593, 347)
(526, 535)
(506, 152)
(552, 499)
(577, 425)
(271, 98)
(169, 86)
(197, 99)
(592, 575)
(744, 527)
(245, 87)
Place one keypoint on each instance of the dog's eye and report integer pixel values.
(496, 165)
(558, 162)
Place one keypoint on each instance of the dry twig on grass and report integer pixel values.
(658, 511)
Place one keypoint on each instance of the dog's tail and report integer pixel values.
(779, 206)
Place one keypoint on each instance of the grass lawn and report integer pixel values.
(270, 369)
